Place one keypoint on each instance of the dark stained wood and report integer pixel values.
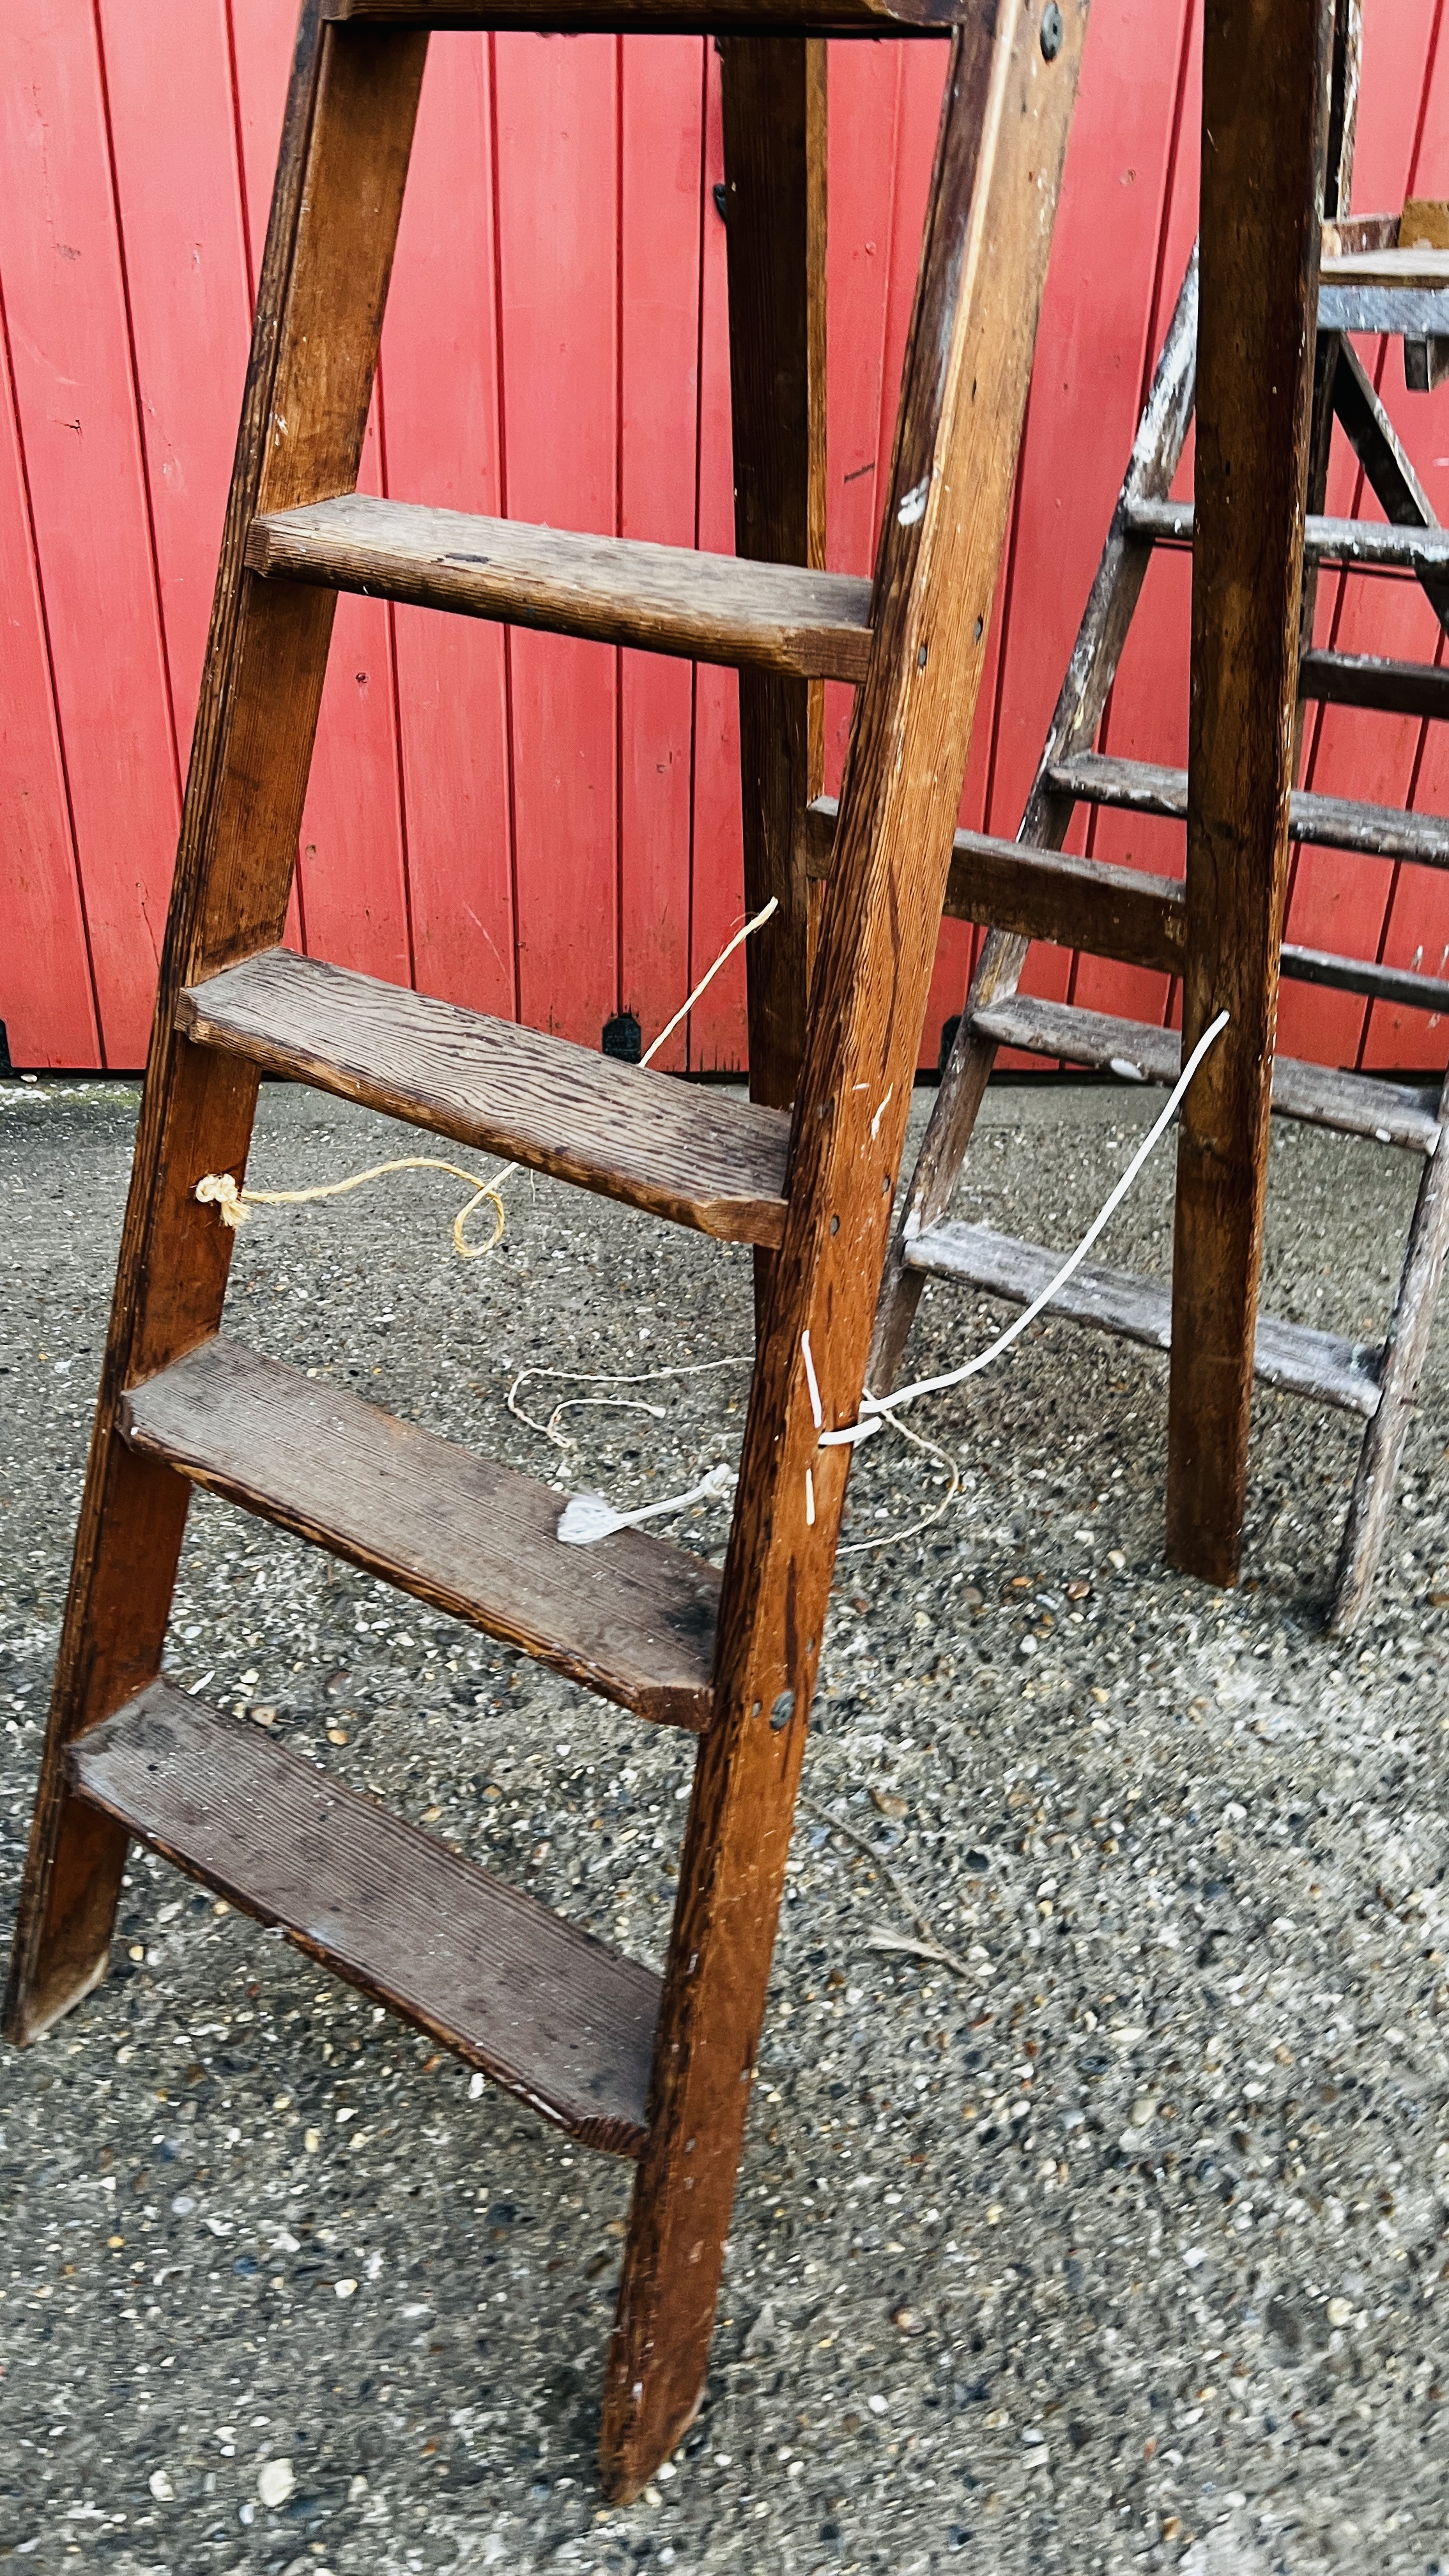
(683, 1152)
(632, 1618)
(1329, 822)
(1405, 1352)
(619, 590)
(346, 140)
(1366, 975)
(1265, 116)
(1005, 120)
(1156, 451)
(1298, 1359)
(1354, 1104)
(1366, 680)
(667, 17)
(775, 150)
(543, 2008)
(1043, 894)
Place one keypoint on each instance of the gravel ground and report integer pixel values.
(1126, 2247)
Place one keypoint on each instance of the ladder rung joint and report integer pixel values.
(674, 1148)
(542, 2007)
(632, 1618)
(611, 590)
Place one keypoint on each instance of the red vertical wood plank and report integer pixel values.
(168, 71)
(46, 1000)
(443, 445)
(557, 113)
(717, 1036)
(1338, 901)
(66, 307)
(662, 209)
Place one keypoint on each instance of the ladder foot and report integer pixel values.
(63, 1947)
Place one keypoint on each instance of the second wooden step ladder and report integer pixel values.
(656, 2069)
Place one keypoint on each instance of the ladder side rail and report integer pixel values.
(1002, 140)
(775, 155)
(1406, 1348)
(1266, 79)
(1386, 463)
(346, 140)
(1156, 453)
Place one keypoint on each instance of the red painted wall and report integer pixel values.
(536, 826)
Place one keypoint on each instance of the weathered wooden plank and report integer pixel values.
(692, 1155)
(1329, 822)
(1369, 680)
(1057, 895)
(775, 123)
(617, 590)
(634, 1620)
(1003, 137)
(350, 114)
(1354, 1104)
(1298, 1359)
(1360, 542)
(666, 17)
(1264, 123)
(548, 2012)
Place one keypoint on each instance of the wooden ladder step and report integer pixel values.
(664, 17)
(1293, 1357)
(1354, 1104)
(548, 2012)
(1367, 680)
(1328, 822)
(616, 590)
(675, 1148)
(632, 1618)
(1367, 543)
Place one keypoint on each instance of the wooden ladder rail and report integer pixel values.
(176, 1398)
(1005, 115)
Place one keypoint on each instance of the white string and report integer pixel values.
(878, 1412)
(874, 1409)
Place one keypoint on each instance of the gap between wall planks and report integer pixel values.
(535, 826)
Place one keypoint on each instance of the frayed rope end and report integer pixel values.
(218, 1189)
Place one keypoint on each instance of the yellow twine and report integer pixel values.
(218, 1189)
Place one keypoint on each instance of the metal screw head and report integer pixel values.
(1052, 32)
(783, 1710)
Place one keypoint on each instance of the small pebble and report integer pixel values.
(161, 2486)
(275, 2481)
(1340, 2312)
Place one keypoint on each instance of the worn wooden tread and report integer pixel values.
(1328, 822)
(681, 1151)
(1351, 541)
(632, 1618)
(1354, 1104)
(617, 590)
(543, 2008)
(665, 17)
(1296, 1358)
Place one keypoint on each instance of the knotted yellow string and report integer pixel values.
(218, 1189)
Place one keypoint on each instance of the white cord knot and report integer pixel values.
(218, 1189)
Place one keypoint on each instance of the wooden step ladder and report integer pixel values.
(656, 2069)
(1031, 889)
